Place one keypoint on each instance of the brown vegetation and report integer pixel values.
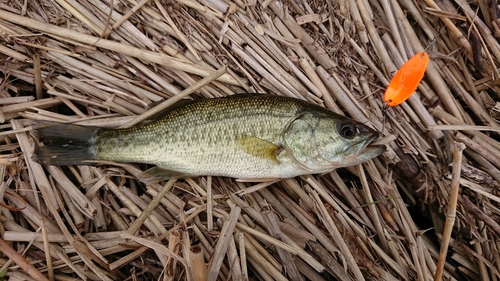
(75, 61)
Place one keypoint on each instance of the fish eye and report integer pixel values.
(348, 130)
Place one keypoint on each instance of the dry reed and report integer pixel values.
(104, 63)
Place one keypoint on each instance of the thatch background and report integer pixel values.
(74, 61)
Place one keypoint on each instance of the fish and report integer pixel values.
(249, 136)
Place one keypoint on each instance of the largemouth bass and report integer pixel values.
(243, 136)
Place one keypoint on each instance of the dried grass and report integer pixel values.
(102, 63)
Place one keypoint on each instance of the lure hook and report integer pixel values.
(385, 109)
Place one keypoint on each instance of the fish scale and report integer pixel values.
(244, 136)
(200, 125)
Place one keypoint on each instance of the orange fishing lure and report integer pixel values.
(406, 80)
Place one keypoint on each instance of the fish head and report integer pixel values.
(323, 142)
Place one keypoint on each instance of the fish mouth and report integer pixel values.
(368, 152)
(372, 136)
(373, 151)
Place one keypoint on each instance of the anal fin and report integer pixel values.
(258, 179)
(159, 173)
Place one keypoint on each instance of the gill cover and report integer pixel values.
(298, 140)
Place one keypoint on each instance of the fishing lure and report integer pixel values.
(406, 80)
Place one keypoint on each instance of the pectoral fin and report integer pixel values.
(259, 147)
(159, 173)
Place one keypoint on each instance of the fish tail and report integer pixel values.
(65, 144)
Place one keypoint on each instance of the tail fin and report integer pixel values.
(65, 144)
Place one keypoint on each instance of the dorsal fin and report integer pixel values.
(185, 102)
(169, 109)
